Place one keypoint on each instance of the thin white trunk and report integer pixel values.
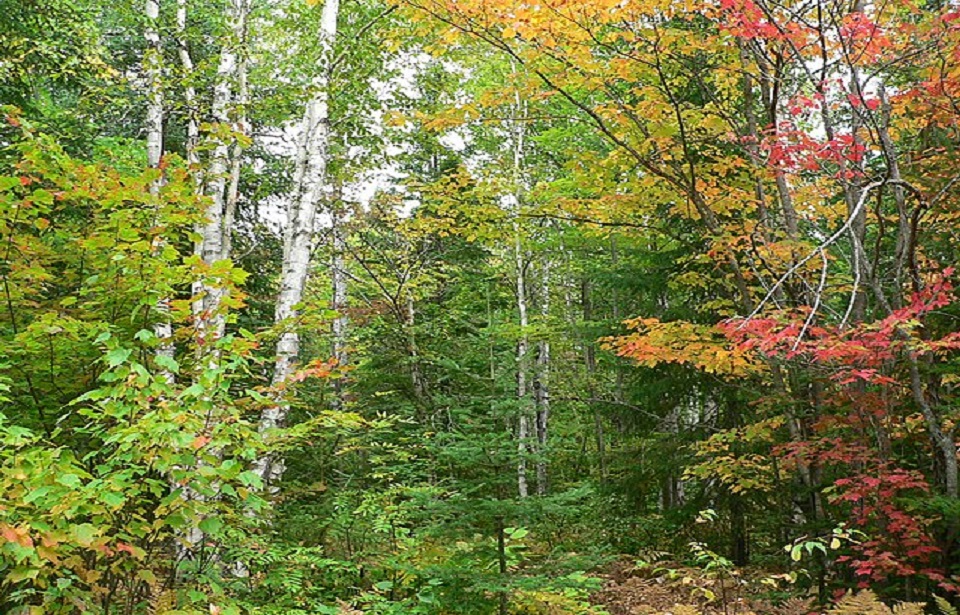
(541, 385)
(189, 92)
(311, 174)
(416, 374)
(339, 302)
(339, 279)
(153, 68)
(523, 344)
(242, 129)
(209, 293)
(212, 246)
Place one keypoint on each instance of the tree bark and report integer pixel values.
(153, 69)
(590, 367)
(189, 94)
(214, 245)
(339, 303)
(523, 343)
(541, 384)
(310, 177)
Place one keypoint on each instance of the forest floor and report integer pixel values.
(673, 589)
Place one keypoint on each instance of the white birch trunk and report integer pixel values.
(153, 68)
(416, 374)
(189, 93)
(339, 304)
(211, 248)
(523, 343)
(523, 427)
(339, 280)
(241, 128)
(154, 73)
(298, 236)
(541, 385)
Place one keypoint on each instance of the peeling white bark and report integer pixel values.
(310, 177)
(189, 92)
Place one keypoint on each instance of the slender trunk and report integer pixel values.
(523, 343)
(189, 94)
(523, 429)
(213, 245)
(413, 350)
(503, 606)
(152, 67)
(590, 365)
(339, 303)
(541, 385)
(242, 129)
(310, 176)
(154, 72)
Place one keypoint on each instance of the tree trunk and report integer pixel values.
(339, 303)
(523, 428)
(214, 244)
(541, 385)
(590, 366)
(310, 176)
(413, 350)
(152, 62)
(242, 129)
(189, 95)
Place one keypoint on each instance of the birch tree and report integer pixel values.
(309, 179)
(153, 69)
(214, 241)
(541, 383)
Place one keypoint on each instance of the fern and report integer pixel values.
(867, 603)
(944, 607)
(795, 606)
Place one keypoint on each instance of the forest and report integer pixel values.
(479, 307)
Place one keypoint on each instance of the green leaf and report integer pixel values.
(211, 525)
(167, 363)
(69, 480)
(84, 534)
(22, 574)
(112, 499)
(117, 356)
(250, 479)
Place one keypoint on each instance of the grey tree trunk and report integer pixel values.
(416, 372)
(590, 365)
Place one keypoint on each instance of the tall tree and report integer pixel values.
(310, 177)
